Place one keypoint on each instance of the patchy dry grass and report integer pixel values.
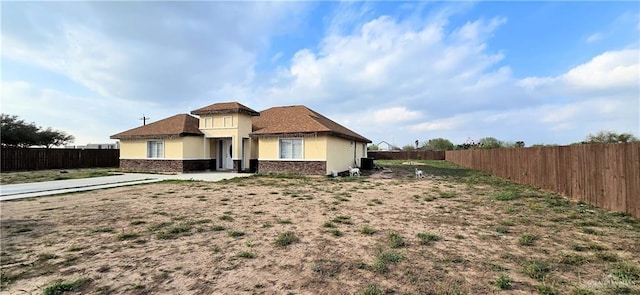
(455, 231)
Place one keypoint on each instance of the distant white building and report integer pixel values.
(384, 146)
(96, 146)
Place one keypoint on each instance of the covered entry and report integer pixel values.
(220, 151)
(226, 153)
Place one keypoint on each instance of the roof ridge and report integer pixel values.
(225, 107)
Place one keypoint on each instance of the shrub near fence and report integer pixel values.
(604, 175)
(25, 159)
(406, 155)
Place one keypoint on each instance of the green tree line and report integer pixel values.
(443, 144)
(15, 132)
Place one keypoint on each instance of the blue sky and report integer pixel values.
(540, 72)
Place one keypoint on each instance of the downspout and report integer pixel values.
(355, 144)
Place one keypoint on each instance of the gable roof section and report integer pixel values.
(294, 120)
(225, 108)
(174, 126)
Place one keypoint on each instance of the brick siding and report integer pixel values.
(293, 167)
(165, 165)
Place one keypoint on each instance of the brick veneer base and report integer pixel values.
(295, 167)
(165, 165)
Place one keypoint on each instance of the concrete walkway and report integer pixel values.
(46, 188)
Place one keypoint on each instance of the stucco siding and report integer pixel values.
(314, 148)
(255, 147)
(268, 148)
(133, 149)
(244, 125)
(173, 148)
(193, 147)
(341, 154)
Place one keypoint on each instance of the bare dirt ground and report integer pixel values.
(453, 232)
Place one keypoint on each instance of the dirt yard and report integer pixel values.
(453, 232)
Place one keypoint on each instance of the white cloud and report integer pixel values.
(612, 70)
(593, 38)
(111, 49)
(83, 55)
(88, 119)
(612, 73)
(394, 114)
(442, 124)
(387, 62)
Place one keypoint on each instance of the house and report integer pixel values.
(233, 137)
(384, 146)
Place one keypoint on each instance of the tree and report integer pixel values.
(50, 137)
(519, 144)
(15, 132)
(605, 136)
(373, 147)
(408, 147)
(438, 144)
(490, 143)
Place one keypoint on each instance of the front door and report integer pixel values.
(225, 153)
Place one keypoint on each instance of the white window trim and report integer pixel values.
(301, 149)
(224, 120)
(210, 120)
(147, 148)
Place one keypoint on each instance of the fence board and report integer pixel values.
(604, 175)
(27, 159)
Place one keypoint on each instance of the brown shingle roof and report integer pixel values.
(299, 120)
(178, 125)
(225, 107)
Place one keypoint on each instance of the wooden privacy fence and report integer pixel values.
(24, 159)
(406, 155)
(604, 175)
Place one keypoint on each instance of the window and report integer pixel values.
(291, 148)
(155, 149)
(227, 121)
(208, 122)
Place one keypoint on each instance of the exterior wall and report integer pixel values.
(193, 147)
(340, 154)
(188, 147)
(336, 154)
(247, 153)
(133, 149)
(173, 148)
(213, 148)
(163, 165)
(255, 147)
(343, 153)
(293, 167)
(314, 148)
(244, 124)
(268, 148)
